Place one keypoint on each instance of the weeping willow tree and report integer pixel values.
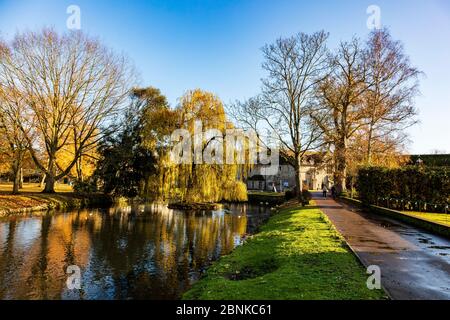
(202, 115)
(137, 161)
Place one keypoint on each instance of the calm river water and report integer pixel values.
(140, 252)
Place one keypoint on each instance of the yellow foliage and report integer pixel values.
(202, 182)
(235, 191)
(88, 163)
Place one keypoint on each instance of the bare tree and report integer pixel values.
(438, 152)
(246, 113)
(339, 112)
(16, 141)
(71, 85)
(393, 86)
(12, 110)
(294, 66)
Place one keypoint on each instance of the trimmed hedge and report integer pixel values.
(413, 184)
(432, 160)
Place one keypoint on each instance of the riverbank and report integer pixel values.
(272, 198)
(32, 201)
(298, 255)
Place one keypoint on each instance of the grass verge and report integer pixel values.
(298, 255)
(433, 217)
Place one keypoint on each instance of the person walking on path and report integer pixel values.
(325, 190)
(333, 192)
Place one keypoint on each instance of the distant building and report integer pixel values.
(28, 176)
(430, 160)
(314, 173)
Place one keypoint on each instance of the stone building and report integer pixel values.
(314, 173)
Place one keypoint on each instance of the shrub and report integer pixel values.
(235, 191)
(289, 195)
(306, 197)
(410, 184)
(85, 186)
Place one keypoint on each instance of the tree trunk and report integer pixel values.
(49, 184)
(353, 187)
(50, 179)
(21, 178)
(341, 166)
(44, 177)
(79, 168)
(369, 145)
(298, 176)
(16, 172)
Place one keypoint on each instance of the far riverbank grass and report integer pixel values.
(30, 197)
(298, 255)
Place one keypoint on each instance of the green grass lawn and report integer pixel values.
(297, 255)
(433, 217)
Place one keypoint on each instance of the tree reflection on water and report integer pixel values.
(139, 252)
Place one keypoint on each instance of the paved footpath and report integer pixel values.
(415, 264)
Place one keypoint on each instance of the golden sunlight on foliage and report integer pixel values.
(86, 163)
(202, 182)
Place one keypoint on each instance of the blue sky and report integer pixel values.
(215, 45)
